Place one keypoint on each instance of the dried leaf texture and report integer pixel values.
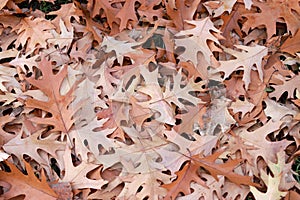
(140, 99)
(57, 104)
(26, 185)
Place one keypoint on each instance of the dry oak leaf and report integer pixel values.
(199, 39)
(32, 145)
(90, 135)
(175, 91)
(147, 11)
(277, 111)
(233, 192)
(138, 114)
(192, 117)
(95, 7)
(189, 173)
(8, 80)
(288, 10)
(236, 86)
(33, 31)
(3, 3)
(28, 186)
(272, 182)
(119, 47)
(115, 113)
(63, 190)
(185, 177)
(106, 79)
(292, 44)
(65, 13)
(64, 39)
(141, 156)
(212, 191)
(258, 145)
(77, 176)
(141, 186)
(3, 156)
(217, 8)
(218, 116)
(242, 106)
(28, 60)
(288, 86)
(127, 14)
(157, 102)
(8, 20)
(57, 104)
(176, 153)
(180, 11)
(5, 136)
(246, 59)
(230, 25)
(292, 195)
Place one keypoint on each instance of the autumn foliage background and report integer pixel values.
(149, 99)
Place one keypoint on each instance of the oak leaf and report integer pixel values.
(181, 148)
(190, 119)
(291, 45)
(28, 185)
(286, 10)
(57, 104)
(25, 60)
(199, 39)
(119, 47)
(258, 145)
(77, 175)
(64, 39)
(110, 11)
(5, 136)
(213, 190)
(216, 8)
(185, 177)
(180, 11)
(288, 86)
(32, 145)
(34, 31)
(189, 174)
(65, 13)
(127, 15)
(272, 182)
(246, 59)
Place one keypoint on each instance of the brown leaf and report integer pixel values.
(26, 185)
(182, 183)
(291, 45)
(57, 104)
(286, 10)
(181, 12)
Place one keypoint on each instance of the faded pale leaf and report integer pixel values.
(245, 59)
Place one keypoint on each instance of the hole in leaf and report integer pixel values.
(139, 189)
(242, 97)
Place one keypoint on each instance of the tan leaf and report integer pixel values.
(203, 33)
(246, 59)
(77, 175)
(272, 182)
(34, 31)
(32, 145)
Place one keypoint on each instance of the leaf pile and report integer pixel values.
(138, 99)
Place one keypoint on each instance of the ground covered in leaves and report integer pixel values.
(150, 99)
